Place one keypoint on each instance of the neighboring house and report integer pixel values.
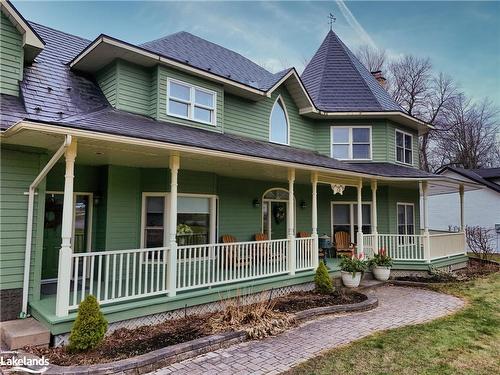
(143, 174)
(481, 207)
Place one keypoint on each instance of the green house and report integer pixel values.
(161, 176)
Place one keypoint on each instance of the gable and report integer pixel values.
(11, 57)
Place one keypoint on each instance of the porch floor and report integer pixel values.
(44, 309)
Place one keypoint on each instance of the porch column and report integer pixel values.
(360, 218)
(427, 242)
(65, 253)
(462, 211)
(374, 216)
(290, 217)
(172, 254)
(314, 218)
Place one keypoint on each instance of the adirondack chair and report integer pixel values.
(343, 244)
(234, 254)
(303, 234)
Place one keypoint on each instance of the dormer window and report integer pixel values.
(279, 131)
(351, 142)
(190, 102)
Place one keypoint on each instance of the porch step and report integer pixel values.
(18, 333)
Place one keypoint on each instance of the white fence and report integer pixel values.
(114, 276)
(213, 264)
(121, 275)
(414, 247)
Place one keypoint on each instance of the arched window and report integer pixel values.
(278, 126)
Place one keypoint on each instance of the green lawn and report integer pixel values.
(467, 342)
(495, 257)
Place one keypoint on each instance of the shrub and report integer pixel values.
(381, 259)
(353, 264)
(89, 328)
(322, 280)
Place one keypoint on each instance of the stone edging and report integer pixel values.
(416, 284)
(176, 353)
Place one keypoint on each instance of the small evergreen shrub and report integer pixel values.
(322, 280)
(89, 328)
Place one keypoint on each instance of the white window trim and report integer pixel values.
(213, 228)
(269, 213)
(192, 102)
(404, 148)
(414, 217)
(279, 98)
(351, 213)
(349, 143)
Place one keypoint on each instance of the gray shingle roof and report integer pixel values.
(338, 82)
(201, 53)
(472, 174)
(12, 110)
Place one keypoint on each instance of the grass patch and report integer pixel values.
(494, 257)
(467, 342)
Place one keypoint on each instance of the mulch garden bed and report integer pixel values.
(300, 301)
(258, 320)
(475, 268)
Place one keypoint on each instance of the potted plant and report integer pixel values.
(183, 232)
(351, 270)
(381, 265)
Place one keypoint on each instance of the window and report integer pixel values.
(351, 143)
(190, 102)
(194, 224)
(406, 218)
(404, 143)
(278, 126)
(345, 218)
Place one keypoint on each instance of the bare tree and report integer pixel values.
(470, 139)
(480, 241)
(372, 58)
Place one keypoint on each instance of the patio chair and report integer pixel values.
(343, 244)
(234, 253)
(303, 234)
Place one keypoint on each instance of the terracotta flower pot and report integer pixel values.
(349, 280)
(381, 273)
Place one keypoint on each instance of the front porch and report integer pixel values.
(124, 236)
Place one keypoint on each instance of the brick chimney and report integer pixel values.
(380, 78)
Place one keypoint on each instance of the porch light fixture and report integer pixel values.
(338, 188)
(256, 203)
(303, 204)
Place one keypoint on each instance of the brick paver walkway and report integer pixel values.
(397, 307)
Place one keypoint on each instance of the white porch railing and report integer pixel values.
(114, 276)
(122, 275)
(414, 247)
(447, 244)
(214, 264)
(305, 254)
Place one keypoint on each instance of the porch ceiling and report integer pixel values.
(94, 151)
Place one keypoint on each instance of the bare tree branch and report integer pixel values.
(373, 59)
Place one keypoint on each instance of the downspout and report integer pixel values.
(29, 225)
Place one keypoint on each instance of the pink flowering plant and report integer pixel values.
(356, 263)
(381, 259)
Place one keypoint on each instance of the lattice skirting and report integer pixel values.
(449, 268)
(245, 299)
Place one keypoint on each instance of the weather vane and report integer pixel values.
(332, 19)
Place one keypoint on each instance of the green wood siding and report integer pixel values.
(11, 57)
(402, 195)
(165, 73)
(127, 86)
(18, 169)
(251, 119)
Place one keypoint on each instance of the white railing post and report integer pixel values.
(65, 254)
(359, 239)
(462, 212)
(374, 217)
(314, 219)
(290, 222)
(172, 252)
(427, 241)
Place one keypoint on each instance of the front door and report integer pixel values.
(52, 230)
(275, 222)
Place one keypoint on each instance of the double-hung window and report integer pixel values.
(404, 153)
(406, 218)
(345, 218)
(191, 102)
(351, 142)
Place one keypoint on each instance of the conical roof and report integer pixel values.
(338, 82)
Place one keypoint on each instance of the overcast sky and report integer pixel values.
(461, 38)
